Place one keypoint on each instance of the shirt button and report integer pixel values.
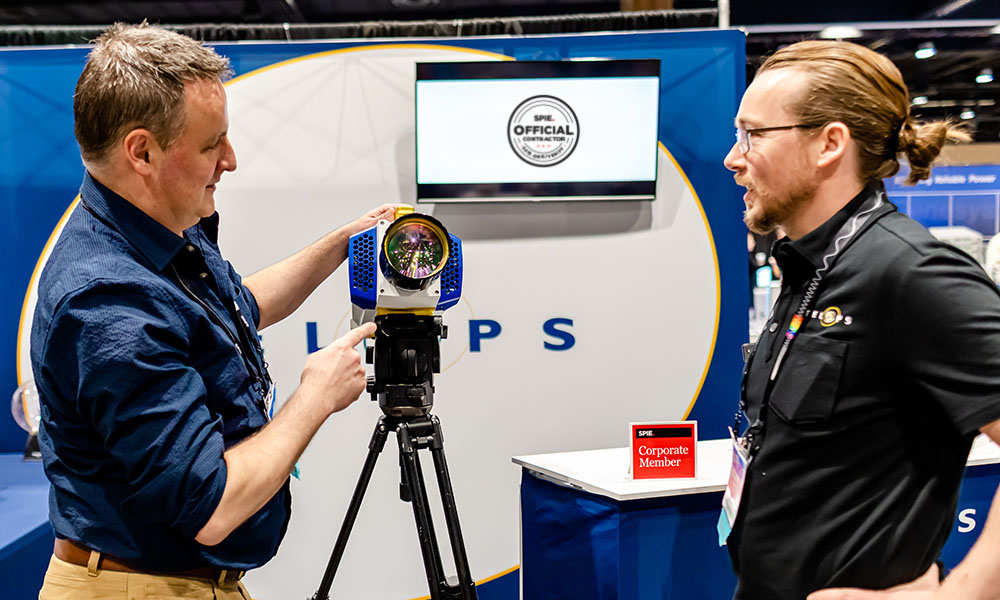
(773, 327)
(203, 275)
(190, 248)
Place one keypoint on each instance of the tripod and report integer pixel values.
(407, 412)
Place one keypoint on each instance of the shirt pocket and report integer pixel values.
(809, 380)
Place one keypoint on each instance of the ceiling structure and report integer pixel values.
(965, 33)
(954, 80)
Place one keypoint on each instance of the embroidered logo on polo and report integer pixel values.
(832, 315)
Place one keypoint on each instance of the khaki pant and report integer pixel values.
(64, 581)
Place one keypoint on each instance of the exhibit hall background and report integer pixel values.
(576, 317)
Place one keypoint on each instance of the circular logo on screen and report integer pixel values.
(543, 131)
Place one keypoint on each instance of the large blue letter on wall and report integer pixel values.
(567, 340)
(481, 329)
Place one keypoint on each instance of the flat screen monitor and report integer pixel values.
(537, 130)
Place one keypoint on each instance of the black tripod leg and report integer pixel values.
(421, 512)
(466, 585)
(374, 449)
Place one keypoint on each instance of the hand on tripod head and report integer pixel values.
(334, 375)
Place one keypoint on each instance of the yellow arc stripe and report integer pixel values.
(718, 280)
(369, 47)
(482, 581)
(34, 280)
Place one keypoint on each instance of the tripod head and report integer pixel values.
(406, 356)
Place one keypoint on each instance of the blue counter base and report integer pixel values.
(580, 546)
(25, 535)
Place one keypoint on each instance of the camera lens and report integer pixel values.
(416, 249)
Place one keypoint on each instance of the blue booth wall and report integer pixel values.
(954, 195)
(702, 78)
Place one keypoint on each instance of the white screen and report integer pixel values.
(462, 130)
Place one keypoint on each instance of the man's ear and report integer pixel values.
(833, 141)
(138, 145)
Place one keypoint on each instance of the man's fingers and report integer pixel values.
(856, 594)
(354, 336)
(388, 211)
(844, 594)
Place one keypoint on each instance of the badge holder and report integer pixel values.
(734, 488)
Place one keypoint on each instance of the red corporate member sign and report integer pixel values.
(663, 450)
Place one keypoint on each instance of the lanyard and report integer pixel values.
(241, 340)
(844, 236)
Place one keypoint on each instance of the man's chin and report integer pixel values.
(208, 206)
(757, 224)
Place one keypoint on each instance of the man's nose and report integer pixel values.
(734, 160)
(229, 158)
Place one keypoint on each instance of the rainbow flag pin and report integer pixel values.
(793, 327)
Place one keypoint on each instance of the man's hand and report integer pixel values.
(369, 219)
(334, 375)
(258, 466)
(284, 286)
(925, 587)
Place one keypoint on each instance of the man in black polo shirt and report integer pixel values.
(881, 360)
(169, 478)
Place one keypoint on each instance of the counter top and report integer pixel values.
(605, 472)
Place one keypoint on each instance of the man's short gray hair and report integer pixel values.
(134, 78)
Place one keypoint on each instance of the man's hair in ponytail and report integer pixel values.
(864, 90)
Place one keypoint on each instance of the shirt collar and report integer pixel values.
(812, 245)
(153, 240)
(210, 227)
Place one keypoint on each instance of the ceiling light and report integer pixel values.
(925, 50)
(968, 114)
(840, 32)
(985, 76)
(919, 100)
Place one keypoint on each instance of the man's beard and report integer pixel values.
(768, 211)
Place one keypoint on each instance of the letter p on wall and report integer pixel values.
(482, 329)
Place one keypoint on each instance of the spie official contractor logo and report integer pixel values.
(543, 131)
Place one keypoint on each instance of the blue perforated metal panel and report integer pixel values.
(361, 254)
(451, 276)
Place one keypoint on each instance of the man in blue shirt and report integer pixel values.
(168, 476)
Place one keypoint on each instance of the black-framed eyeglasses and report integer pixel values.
(743, 135)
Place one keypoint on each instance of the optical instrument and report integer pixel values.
(403, 275)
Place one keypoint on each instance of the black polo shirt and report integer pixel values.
(873, 412)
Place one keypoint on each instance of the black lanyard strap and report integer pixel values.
(845, 234)
(240, 340)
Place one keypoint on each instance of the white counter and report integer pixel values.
(605, 472)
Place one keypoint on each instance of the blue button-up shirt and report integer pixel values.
(143, 389)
